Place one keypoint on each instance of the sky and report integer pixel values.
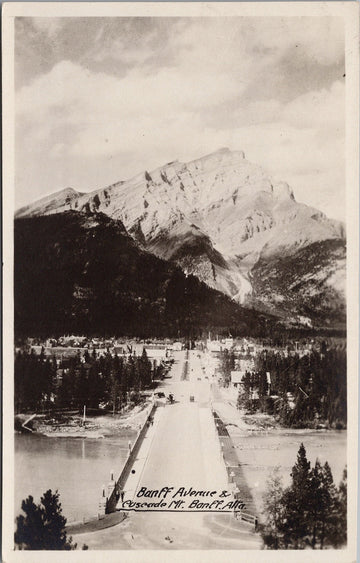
(99, 100)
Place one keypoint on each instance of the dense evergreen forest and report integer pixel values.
(302, 391)
(310, 513)
(83, 274)
(107, 381)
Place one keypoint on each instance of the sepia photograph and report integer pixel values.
(180, 302)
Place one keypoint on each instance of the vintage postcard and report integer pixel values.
(181, 287)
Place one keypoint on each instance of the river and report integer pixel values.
(260, 452)
(77, 467)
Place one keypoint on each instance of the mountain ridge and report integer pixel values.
(217, 217)
(82, 273)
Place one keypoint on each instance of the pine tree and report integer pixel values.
(243, 400)
(145, 369)
(263, 384)
(327, 507)
(43, 526)
(274, 510)
(66, 391)
(82, 387)
(311, 512)
(341, 521)
(226, 367)
(131, 375)
(323, 494)
(297, 498)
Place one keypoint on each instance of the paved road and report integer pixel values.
(183, 451)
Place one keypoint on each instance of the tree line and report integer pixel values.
(303, 391)
(310, 513)
(107, 381)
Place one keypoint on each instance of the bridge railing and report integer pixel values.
(246, 517)
(113, 498)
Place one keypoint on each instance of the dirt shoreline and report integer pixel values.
(95, 426)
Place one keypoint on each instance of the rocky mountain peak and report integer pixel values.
(59, 201)
(282, 190)
(216, 216)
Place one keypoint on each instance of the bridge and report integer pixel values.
(187, 448)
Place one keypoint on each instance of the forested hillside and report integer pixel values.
(82, 273)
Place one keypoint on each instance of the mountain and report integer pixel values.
(50, 203)
(222, 219)
(307, 286)
(82, 273)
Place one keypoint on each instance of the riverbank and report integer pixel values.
(257, 420)
(71, 425)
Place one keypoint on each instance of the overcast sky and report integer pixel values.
(101, 99)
